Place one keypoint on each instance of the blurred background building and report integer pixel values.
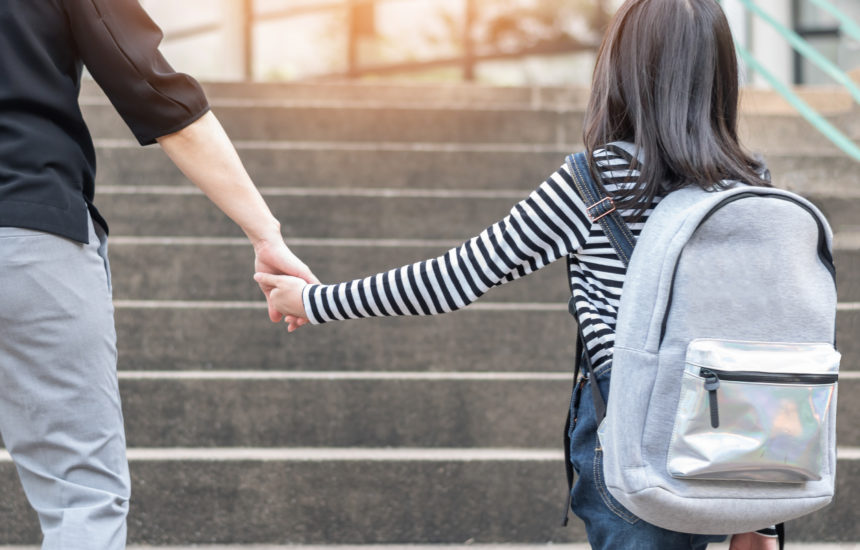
(500, 42)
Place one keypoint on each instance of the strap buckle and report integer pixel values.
(610, 210)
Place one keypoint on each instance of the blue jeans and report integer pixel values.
(608, 524)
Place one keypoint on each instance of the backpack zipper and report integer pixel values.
(713, 377)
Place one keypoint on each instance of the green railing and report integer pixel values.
(850, 29)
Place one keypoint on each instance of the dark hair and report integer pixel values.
(666, 79)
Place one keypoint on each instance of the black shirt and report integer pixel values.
(47, 159)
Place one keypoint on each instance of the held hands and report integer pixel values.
(273, 257)
(285, 296)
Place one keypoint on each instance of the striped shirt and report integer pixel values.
(550, 224)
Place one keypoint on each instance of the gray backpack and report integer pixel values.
(721, 412)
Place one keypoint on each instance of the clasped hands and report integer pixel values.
(282, 276)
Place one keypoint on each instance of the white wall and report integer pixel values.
(212, 56)
(768, 46)
(739, 21)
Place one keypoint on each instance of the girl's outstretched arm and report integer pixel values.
(546, 226)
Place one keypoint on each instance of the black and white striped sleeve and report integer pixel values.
(549, 224)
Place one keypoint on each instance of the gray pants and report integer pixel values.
(60, 414)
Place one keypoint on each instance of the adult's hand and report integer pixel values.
(274, 257)
(753, 541)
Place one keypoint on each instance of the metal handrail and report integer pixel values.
(405, 67)
(293, 11)
(273, 15)
(800, 45)
(467, 60)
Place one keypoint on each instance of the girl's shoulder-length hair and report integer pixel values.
(666, 80)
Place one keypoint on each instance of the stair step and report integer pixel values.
(825, 99)
(471, 340)
(171, 268)
(258, 409)
(424, 165)
(349, 214)
(385, 496)
(307, 500)
(309, 122)
(387, 93)
(343, 164)
(188, 409)
(340, 122)
(373, 214)
(482, 338)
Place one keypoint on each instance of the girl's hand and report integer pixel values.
(753, 541)
(285, 297)
(274, 257)
(294, 322)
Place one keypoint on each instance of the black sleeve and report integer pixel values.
(118, 43)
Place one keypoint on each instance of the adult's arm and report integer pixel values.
(118, 42)
(206, 156)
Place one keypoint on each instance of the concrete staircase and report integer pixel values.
(430, 430)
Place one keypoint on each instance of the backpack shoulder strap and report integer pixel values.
(601, 208)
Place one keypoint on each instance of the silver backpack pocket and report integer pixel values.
(754, 411)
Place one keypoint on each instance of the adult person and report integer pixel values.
(662, 115)
(60, 414)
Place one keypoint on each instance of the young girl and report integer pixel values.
(662, 115)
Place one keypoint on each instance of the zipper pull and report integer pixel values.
(712, 383)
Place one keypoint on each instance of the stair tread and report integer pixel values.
(367, 502)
